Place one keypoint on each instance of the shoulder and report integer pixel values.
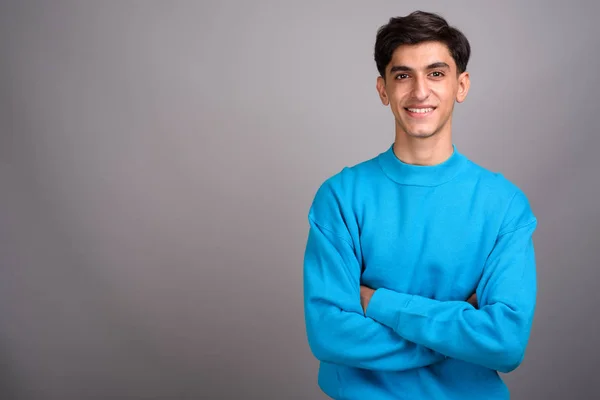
(336, 193)
(343, 182)
(493, 181)
(505, 197)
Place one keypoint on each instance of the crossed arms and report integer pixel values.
(397, 331)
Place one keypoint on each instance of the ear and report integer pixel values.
(381, 91)
(464, 82)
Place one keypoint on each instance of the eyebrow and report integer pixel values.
(404, 68)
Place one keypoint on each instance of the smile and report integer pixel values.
(419, 112)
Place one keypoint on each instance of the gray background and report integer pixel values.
(157, 162)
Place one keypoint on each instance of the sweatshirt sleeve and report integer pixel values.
(337, 329)
(496, 334)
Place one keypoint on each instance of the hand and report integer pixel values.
(365, 297)
(473, 300)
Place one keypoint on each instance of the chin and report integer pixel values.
(423, 134)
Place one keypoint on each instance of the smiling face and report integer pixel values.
(421, 85)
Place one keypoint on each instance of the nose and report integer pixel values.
(420, 88)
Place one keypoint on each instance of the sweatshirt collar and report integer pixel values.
(421, 175)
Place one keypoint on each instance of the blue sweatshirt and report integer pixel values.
(425, 238)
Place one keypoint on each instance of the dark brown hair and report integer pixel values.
(419, 27)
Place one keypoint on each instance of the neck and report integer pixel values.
(423, 151)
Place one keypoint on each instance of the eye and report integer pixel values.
(401, 76)
(437, 74)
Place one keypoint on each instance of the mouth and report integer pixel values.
(419, 112)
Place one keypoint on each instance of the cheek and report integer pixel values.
(396, 100)
(448, 94)
(395, 92)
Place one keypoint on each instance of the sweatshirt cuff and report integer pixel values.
(386, 306)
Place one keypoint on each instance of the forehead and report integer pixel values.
(421, 55)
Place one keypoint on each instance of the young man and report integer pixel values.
(419, 271)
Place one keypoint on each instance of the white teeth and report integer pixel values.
(420, 110)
